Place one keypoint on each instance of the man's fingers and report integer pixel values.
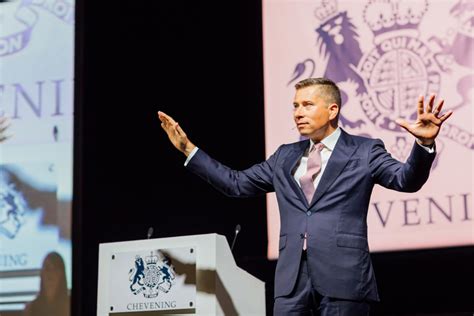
(429, 107)
(162, 118)
(438, 108)
(420, 105)
(169, 125)
(161, 114)
(445, 116)
(166, 129)
(165, 117)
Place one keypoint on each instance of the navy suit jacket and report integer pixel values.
(335, 220)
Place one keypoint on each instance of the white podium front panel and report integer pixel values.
(153, 280)
(220, 286)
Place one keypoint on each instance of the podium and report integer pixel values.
(186, 275)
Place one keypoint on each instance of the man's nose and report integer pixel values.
(297, 112)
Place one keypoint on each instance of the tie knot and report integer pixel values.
(317, 147)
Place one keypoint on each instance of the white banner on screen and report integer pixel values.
(382, 55)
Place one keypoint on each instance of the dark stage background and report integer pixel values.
(200, 62)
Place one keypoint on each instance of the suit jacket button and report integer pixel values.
(308, 213)
(302, 236)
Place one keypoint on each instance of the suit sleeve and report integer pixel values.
(393, 174)
(253, 181)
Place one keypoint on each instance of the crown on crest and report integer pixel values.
(151, 259)
(326, 9)
(388, 15)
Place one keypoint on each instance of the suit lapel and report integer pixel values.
(343, 151)
(289, 165)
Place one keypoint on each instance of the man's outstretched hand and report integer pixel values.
(428, 122)
(176, 134)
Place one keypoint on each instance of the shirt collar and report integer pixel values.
(330, 141)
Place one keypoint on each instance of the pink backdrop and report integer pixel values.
(383, 55)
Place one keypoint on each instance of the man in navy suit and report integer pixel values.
(323, 187)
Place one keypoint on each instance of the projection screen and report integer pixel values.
(36, 94)
(382, 55)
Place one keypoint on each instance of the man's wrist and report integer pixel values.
(425, 142)
(429, 148)
(188, 149)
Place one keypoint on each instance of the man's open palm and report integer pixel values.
(428, 122)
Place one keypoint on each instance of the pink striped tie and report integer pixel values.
(307, 180)
(313, 168)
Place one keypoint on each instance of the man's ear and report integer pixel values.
(333, 111)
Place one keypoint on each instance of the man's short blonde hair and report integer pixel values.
(330, 91)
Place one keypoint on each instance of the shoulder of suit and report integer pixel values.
(296, 145)
(363, 142)
(362, 139)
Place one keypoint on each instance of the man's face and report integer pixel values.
(312, 113)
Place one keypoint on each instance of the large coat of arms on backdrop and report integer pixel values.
(384, 82)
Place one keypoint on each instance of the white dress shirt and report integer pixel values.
(191, 154)
(329, 143)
